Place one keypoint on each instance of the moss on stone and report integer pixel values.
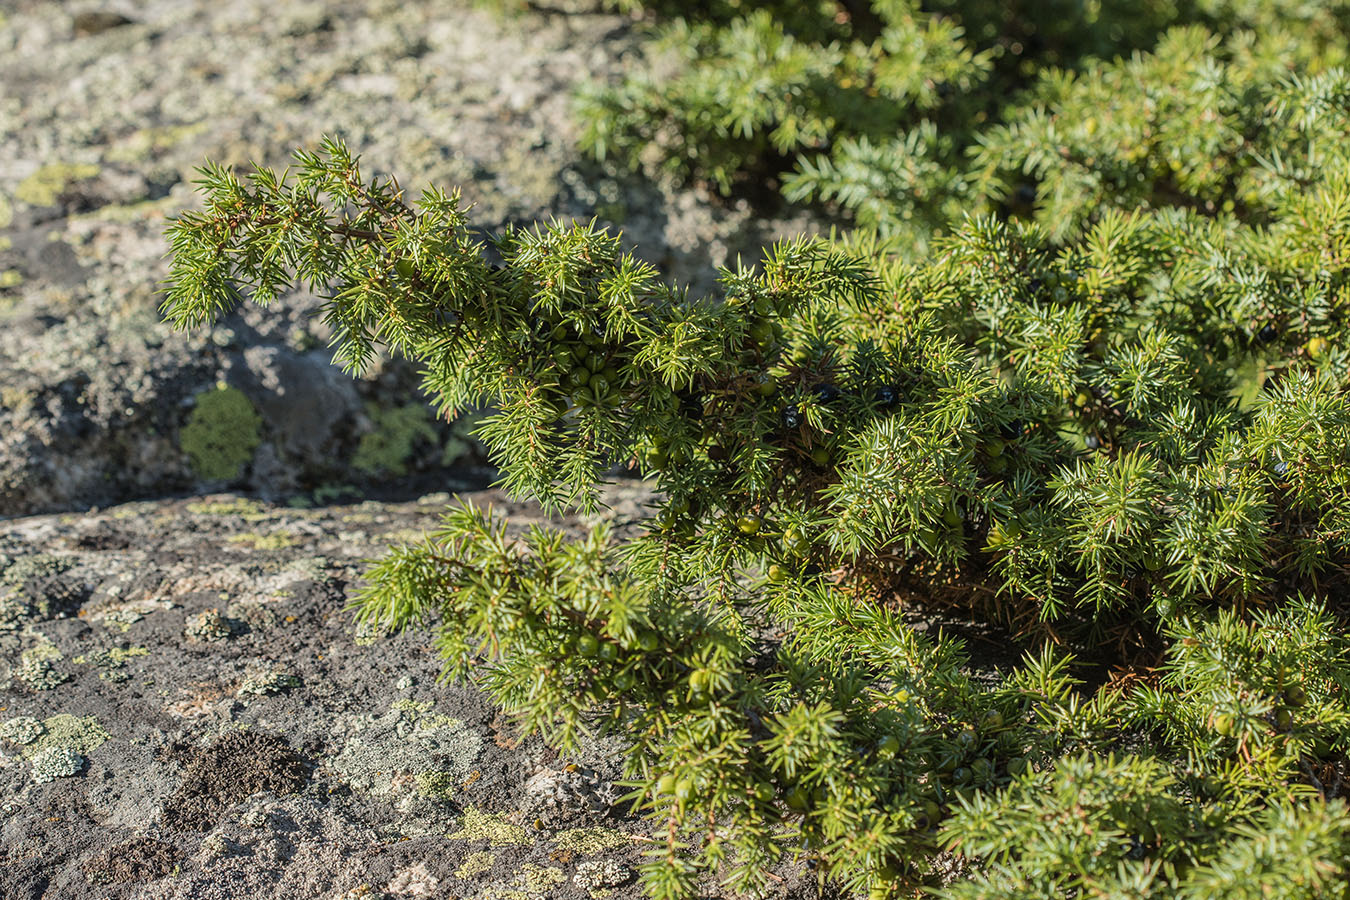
(44, 186)
(386, 448)
(480, 826)
(221, 433)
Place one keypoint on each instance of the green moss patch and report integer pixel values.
(221, 433)
(54, 747)
(388, 446)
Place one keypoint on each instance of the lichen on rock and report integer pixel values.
(476, 864)
(409, 742)
(45, 186)
(207, 627)
(37, 668)
(481, 826)
(593, 875)
(56, 762)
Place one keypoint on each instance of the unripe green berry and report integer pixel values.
(967, 739)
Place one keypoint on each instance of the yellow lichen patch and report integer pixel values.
(246, 509)
(590, 841)
(147, 142)
(16, 399)
(10, 278)
(44, 186)
(480, 826)
(538, 879)
(65, 730)
(275, 541)
(476, 864)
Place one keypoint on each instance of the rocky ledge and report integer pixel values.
(187, 710)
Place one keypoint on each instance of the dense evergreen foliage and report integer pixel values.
(1104, 414)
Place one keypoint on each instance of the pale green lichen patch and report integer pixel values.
(147, 142)
(531, 882)
(590, 841)
(243, 507)
(21, 730)
(261, 682)
(480, 826)
(6, 213)
(277, 540)
(208, 627)
(45, 186)
(13, 608)
(408, 747)
(15, 572)
(438, 785)
(597, 877)
(111, 663)
(221, 433)
(56, 762)
(387, 447)
(55, 747)
(34, 565)
(37, 667)
(476, 864)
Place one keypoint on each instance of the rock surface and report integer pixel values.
(107, 109)
(209, 723)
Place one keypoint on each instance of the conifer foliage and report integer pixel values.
(1111, 424)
